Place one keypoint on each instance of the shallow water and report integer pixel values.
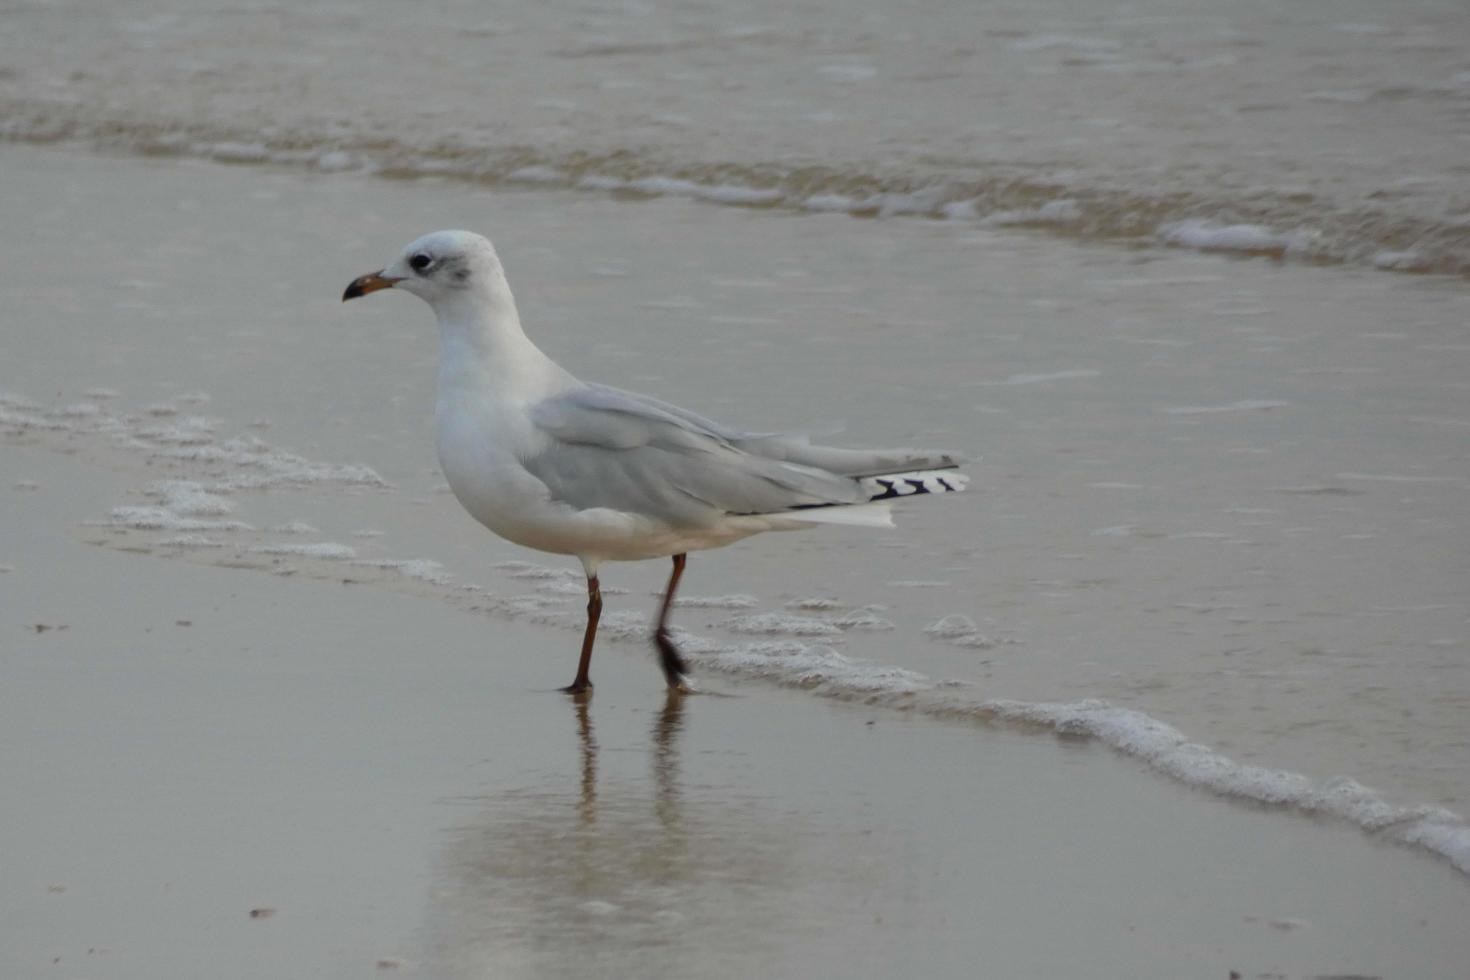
(1227, 498)
(1219, 516)
(1137, 260)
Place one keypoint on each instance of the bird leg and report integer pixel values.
(594, 611)
(674, 667)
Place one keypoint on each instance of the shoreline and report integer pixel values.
(815, 670)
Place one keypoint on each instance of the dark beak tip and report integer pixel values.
(370, 283)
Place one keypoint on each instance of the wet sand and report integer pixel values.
(387, 773)
(227, 773)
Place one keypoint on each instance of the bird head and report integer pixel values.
(435, 267)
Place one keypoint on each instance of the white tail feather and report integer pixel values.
(855, 515)
(882, 491)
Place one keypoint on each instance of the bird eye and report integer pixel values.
(421, 261)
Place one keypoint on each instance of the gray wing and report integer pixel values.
(796, 447)
(613, 449)
(629, 452)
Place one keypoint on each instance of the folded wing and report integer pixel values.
(619, 450)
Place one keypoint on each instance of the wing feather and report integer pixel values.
(628, 452)
(609, 448)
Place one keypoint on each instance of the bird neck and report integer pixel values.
(483, 348)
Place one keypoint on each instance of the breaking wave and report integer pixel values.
(1264, 224)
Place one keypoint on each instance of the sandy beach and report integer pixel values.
(275, 707)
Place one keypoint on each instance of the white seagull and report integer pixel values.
(556, 464)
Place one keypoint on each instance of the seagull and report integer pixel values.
(560, 465)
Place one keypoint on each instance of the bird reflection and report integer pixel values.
(582, 701)
(666, 730)
(612, 851)
(668, 798)
(668, 801)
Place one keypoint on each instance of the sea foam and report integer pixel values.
(787, 649)
(1245, 239)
